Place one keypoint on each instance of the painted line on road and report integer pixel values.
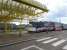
(44, 39)
(58, 42)
(33, 46)
(65, 47)
(51, 40)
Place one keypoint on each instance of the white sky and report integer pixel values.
(57, 10)
(64, 20)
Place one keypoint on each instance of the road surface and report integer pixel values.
(56, 42)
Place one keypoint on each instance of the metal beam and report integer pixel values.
(41, 7)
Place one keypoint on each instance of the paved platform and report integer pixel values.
(10, 39)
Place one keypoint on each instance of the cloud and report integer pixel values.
(55, 5)
(57, 10)
(64, 20)
(62, 12)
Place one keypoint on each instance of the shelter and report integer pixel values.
(18, 9)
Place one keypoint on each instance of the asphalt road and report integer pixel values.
(56, 42)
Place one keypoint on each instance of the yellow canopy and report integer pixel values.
(33, 4)
(12, 9)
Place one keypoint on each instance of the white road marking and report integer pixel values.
(65, 47)
(51, 40)
(31, 47)
(44, 39)
(58, 42)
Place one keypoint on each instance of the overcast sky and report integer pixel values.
(57, 10)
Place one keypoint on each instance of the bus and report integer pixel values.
(40, 26)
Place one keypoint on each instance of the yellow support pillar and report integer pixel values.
(9, 29)
(20, 27)
(5, 27)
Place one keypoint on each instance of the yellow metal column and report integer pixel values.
(5, 27)
(20, 27)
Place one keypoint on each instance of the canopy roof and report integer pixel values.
(15, 9)
(33, 4)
